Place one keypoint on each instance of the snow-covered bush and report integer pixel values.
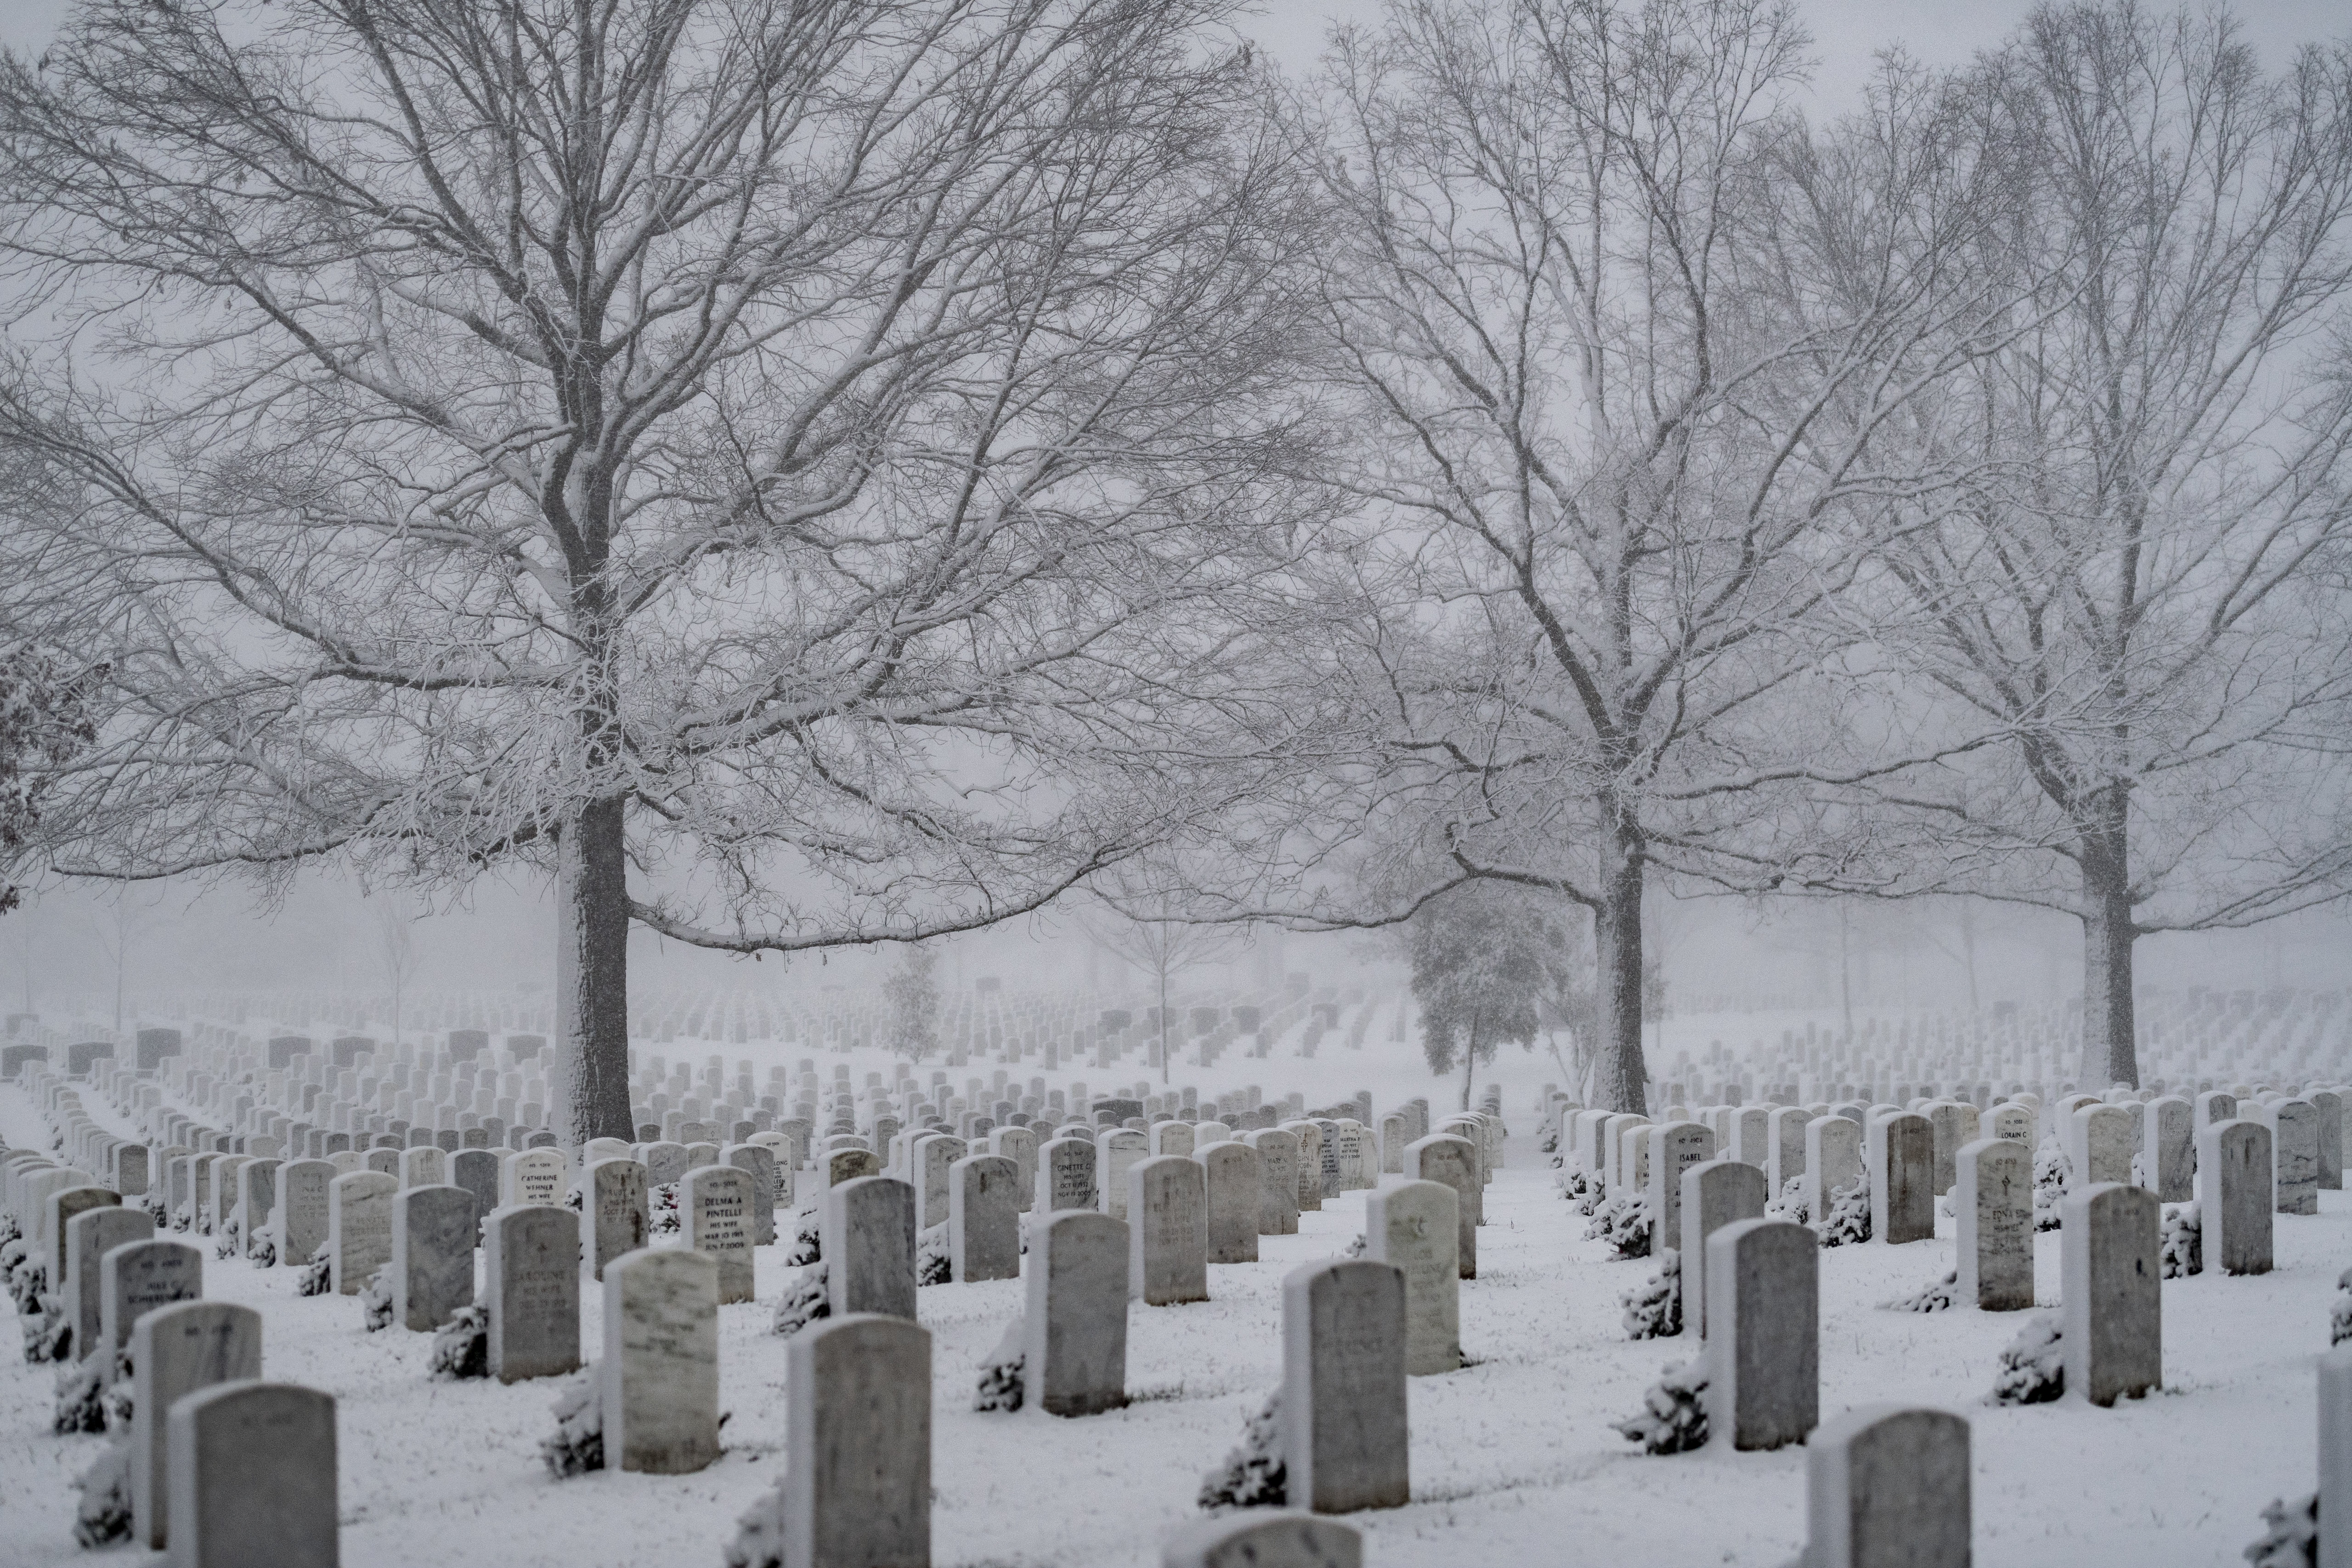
(49, 1332)
(27, 1277)
(1624, 1223)
(1673, 1419)
(9, 1230)
(1003, 1385)
(375, 1301)
(931, 1256)
(1579, 1186)
(318, 1275)
(807, 1300)
(760, 1532)
(461, 1347)
(1848, 1221)
(1935, 1298)
(1355, 1249)
(158, 1208)
(2290, 1536)
(118, 1396)
(661, 1213)
(1655, 1309)
(2181, 1250)
(263, 1253)
(808, 1247)
(103, 1516)
(1790, 1204)
(1254, 1473)
(577, 1445)
(226, 1241)
(2052, 1170)
(2033, 1368)
(2339, 1310)
(183, 1217)
(81, 1398)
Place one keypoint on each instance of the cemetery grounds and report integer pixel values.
(1514, 1458)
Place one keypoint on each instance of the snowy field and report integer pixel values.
(1514, 1459)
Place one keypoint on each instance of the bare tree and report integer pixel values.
(820, 459)
(1164, 948)
(395, 930)
(117, 934)
(2135, 597)
(1624, 338)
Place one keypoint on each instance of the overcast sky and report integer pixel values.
(325, 936)
(1847, 32)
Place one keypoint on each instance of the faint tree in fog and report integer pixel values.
(911, 1000)
(816, 460)
(1487, 959)
(2129, 595)
(1964, 934)
(1624, 338)
(1164, 949)
(117, 932)
(395, 932)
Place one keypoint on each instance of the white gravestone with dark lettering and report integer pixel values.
(1075, 1327)
(530, 1256)
(1763, 1310)
(2233, 1196)
(135, 1278)
(1233, 1181)
(614, 1219)
(715, 1202)
(1117, 1151)
(253, 1477)
(358, 1228)
(2112, 1339)
(1888, 1487)
(1416, 1226)
(660, 1367)
(983, 1218)
(175, 1351)
(1065, 1175)
(89, 1236)
(432, 1256)
(1993, 1202)
(858, 1431)
(759, 1163)
(1277, 1154)
(1343, 1419)
(868, 1243)
(1716, 1193)
(1168, 1226)
(1441, 1157)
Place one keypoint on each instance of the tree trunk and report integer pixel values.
(591, 1022)
(2110, 1046)
(1470, 1058)
(1845, 969)
(1969, 949)
(1620, 1079)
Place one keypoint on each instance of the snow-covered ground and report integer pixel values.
(1513, 1459)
